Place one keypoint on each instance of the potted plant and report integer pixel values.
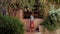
(10, 25)
(51, 24)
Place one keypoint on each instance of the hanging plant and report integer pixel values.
(57, 1)
(41, 7)
(13, 6)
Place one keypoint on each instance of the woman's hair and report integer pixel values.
(31, 13)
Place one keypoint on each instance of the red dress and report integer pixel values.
(31, 22)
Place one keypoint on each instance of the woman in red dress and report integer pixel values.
(31, 22)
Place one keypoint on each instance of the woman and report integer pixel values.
(31, 22)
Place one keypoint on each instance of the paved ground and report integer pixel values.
(32, 32)
(29, 32)
(37, 33)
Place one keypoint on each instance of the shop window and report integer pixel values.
(26, 15)
(37, 15)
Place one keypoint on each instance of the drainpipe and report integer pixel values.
(3, 11)
(3, 7)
